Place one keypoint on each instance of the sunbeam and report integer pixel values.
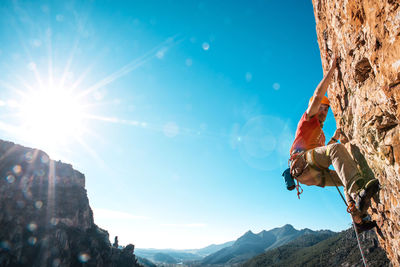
(157, 128)
(51, 111)
(91, 152)
(12, 88)
(50, 57)
(131, 66)
(68, 65)
(113, 120)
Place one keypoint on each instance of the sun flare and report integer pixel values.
(51, 116)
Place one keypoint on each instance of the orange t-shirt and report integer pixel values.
(309, 134)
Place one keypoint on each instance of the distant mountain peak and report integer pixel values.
(250, 244)
(288, 226)
(249, 236)
(263, 232)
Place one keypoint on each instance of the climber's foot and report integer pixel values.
(356, 215)
(363, 199)
(365, 226)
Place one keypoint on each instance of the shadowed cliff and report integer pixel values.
(45, 217)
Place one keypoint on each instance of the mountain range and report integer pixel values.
(324, 250)
(233, 252)
(170, 256)
(282, 246)
(250, 245)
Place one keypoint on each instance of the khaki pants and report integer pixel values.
(345, 174)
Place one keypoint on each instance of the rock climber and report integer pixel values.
(310, 158)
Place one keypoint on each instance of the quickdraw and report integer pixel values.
(299, 189)
(351, 207)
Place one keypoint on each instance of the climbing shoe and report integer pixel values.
(363, 198)
(355, 213)
(357, 185)
(365, 226)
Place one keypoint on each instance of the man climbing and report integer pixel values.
(310, 158)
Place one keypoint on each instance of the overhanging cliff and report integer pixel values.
(365, 95)
(45, 217)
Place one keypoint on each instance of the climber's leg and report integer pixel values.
(346, 168)
(344, 165)
(333, 179)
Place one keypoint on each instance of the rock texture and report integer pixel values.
(45, 217)
(365, 95)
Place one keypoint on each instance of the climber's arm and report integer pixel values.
(335, 137)
(338, 136)
(320, 91)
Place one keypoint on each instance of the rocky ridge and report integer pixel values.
(251, 244)
(324, 250)
(365, 96)
(45, 217)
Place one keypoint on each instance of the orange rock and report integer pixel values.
(365, 94)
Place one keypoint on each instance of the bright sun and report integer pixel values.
(51, 117)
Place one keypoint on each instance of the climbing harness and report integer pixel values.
(297, 172)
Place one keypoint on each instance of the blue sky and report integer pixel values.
(179, 113)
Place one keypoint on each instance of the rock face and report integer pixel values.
(365, 95)
(45, 217)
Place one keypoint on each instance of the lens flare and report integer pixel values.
(84, 257)
(10, 179)
(206, 46)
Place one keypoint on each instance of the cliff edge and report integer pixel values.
(45, 217)
(365, 96)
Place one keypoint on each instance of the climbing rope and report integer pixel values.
(359, 244)
(350, 208)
